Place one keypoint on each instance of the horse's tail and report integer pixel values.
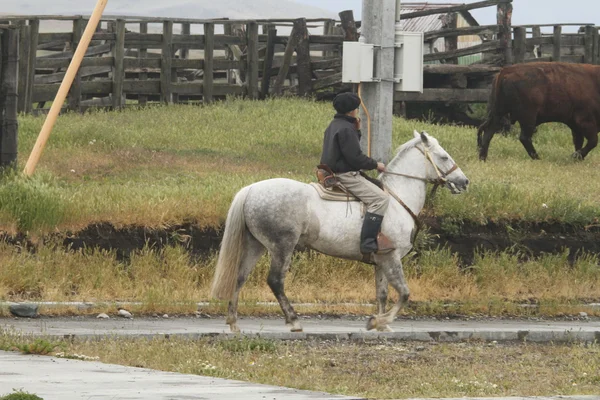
(232, 249)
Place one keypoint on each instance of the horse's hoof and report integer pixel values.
(384, 328)
(372, 323)
(577, 156)
(295, 327)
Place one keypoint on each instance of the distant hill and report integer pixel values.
(201, 9)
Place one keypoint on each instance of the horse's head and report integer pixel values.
(442, 169)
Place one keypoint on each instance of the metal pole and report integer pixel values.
(378, 23)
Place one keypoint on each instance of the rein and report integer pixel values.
(441, 180)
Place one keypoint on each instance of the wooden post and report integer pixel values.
(268, 63)
(118, 68)
(166, 95)
(228, 31)
(143, 53)
(537, 34)
(589, 45)
(23, 66)
(504, 18)
(287, 59)
(349, 25)
(520, 44)
(186, 29)
(450, 21)
(596, 45)
(556, 46)
(74, 100)
(9, 71)
(64, 88)
(303, 59)
(34, 25)
(209, 56)
(252, 53)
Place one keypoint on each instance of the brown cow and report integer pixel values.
(536, 93)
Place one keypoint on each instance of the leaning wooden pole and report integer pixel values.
(63, 90)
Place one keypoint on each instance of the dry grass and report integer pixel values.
(170, 281)
(374, 369)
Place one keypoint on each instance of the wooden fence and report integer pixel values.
(127, 63)
(9, 42)
(134, 61)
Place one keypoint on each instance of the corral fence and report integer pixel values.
(9, 43)
(137, 61)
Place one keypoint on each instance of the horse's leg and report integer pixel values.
(392, 266)
(381, 289)
(280, 263)
(253, 250)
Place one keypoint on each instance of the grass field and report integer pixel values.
(374, 369)
(163, 166)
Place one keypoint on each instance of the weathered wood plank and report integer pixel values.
(118, 74)
(34, 25)
(287, 59)
(91, 51)
(589, 44)
(556, 53)
(328, 81)
(186, 30)
(504, 19)
(143, 76)
(55, 37)
(166, 58)
(303, 59)
(209, 48)
(519, 44)
(489, 46)
(24, 39)
(465, 7)
(449, 69)
(253, 66)
(59, 76)
(56, 63)
(196, 88)
(450, 21)
(268, 63)
(326, 39)
(74, 99)
(465, 31)
(9, 44)
(349, 25)
(445, 95)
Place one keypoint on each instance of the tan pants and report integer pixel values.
(376, 199)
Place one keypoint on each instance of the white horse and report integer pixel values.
(277, 215)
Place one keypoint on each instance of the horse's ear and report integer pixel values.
(416, 134)
(424, 138)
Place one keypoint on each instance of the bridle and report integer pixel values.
(441, 180)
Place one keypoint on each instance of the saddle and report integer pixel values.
(329, 186)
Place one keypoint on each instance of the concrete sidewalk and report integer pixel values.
(62, 379)
(343, 329)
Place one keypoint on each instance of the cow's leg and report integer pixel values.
(578, 138)
(484, 137)
(591, 134)
(527, 129)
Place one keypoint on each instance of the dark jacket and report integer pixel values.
(341, 147)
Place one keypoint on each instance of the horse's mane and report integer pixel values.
(404, 149)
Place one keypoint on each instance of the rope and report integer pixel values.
(366, 110)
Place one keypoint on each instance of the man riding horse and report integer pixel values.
(344, 157)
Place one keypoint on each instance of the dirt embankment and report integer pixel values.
(463, 238)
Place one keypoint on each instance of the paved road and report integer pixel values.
(407, 329)
(62, 379)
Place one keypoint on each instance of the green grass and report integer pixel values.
(164, 165)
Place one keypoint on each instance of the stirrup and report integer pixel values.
(384, 244)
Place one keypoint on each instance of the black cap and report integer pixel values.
(346, 102)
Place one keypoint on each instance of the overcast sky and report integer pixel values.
(524, 11)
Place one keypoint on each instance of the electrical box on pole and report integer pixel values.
(359, 58)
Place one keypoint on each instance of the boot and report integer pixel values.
(371, 240)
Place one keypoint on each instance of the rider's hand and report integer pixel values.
(380, 167)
